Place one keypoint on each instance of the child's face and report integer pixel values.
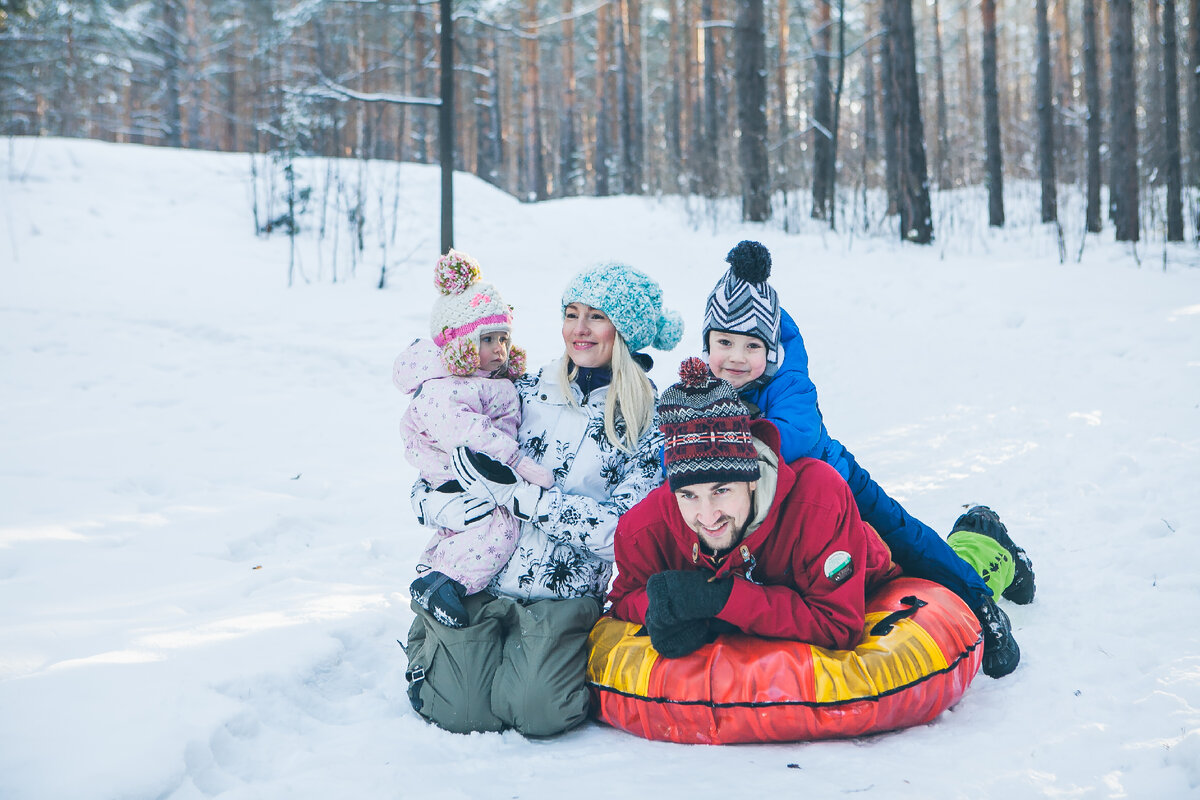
(736, 357)
(493, 350)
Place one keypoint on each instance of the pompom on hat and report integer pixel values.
(632, 300)
(468, 309)
(743, 302)
(706, 429)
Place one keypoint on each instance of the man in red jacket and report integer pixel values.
(736, 539)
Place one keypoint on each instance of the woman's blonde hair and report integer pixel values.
(630, 395)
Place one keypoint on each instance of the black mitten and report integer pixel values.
(676, 641)
(485, 466)
(678, 595)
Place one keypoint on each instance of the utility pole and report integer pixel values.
(446, 127)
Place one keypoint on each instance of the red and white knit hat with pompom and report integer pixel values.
(706, 430)
(467, 309)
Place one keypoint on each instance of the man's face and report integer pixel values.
(717, 512)
(736, 357)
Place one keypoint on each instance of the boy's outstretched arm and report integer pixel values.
(790, 402)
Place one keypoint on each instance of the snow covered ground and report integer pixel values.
(205, 540)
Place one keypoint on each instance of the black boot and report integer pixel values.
(1000, 651)
(441, 596)
(982, 520)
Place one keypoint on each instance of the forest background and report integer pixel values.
(803, 108)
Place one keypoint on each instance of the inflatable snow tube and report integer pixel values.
(921, 648)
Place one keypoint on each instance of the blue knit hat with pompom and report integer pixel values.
(632, 300)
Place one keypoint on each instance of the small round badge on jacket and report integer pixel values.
(839, 566)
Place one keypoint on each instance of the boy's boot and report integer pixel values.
(1000, 651)
(982, 520)
(441, 596)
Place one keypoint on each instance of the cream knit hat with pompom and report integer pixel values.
(468, 309)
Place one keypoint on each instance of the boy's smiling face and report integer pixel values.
(736, 357)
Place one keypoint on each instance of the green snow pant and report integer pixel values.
(986, 556)
(521, 666)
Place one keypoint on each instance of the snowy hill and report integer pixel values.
(205, 540)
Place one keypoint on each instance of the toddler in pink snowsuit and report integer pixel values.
(463, 395)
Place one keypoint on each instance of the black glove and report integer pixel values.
(676, 641)
(678, 595)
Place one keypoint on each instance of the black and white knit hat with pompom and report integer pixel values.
(743, 302)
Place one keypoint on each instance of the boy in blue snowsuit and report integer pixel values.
(755, 345)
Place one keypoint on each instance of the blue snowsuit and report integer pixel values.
(789, 399)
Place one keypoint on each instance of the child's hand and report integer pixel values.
(534, 472)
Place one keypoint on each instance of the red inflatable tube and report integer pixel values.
(748, 689)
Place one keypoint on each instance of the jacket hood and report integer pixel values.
(421, 361)
(792, 359)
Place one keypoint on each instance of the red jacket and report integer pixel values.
(790, 579)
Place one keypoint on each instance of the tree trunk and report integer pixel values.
(535, 166)
(171, 69)
(837, 108)
(1123, 187)
(783, 127)
(708, 155)
(941, 160)
(991, 117)
(891, 117)
(420, 86)
(916, 219)
(750, 73)
(637, 146)
(1045, 113)
(870, 127)
(822, 129)
(690, 114)
(603, 146)
(569, 157)
(625, 98)
(1193, 89)
(1152, 143)
(674, 113)
(1171, 120)
(1066, 131)
(1095, 116)
(196, 67)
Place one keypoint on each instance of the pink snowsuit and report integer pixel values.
(482, 413)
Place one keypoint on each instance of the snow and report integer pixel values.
(205, 539)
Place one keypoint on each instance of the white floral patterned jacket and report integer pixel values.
(571, 553)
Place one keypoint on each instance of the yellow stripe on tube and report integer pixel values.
(878, 665)
(620, 660)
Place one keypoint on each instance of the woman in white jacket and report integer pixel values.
(588, 417)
